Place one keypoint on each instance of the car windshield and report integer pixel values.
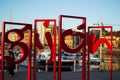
(94, 63)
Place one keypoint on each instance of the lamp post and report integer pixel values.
(100, 45)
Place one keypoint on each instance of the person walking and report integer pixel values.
(11, 66)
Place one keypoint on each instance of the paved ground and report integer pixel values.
(65, 76)
(69, 75)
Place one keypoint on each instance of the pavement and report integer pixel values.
(66, 75)
(96, 75)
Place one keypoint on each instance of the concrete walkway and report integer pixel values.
(65, 76)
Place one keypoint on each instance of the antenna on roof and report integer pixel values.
(11, 18)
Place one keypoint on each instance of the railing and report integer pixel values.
(106, 64)
(67, 65)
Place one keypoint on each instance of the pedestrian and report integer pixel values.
(11, 66)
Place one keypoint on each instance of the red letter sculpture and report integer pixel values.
(26, 49)
(51, 43)
(81, 45)
(93, 45)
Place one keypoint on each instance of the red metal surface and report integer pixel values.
(2, 63)
(26, 50)
(29, 53)
(51, 44)
(93, 46)
(81, 45)
(59, 47)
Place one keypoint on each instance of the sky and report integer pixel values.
(95, 11)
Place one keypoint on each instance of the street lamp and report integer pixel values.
(100, 45)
